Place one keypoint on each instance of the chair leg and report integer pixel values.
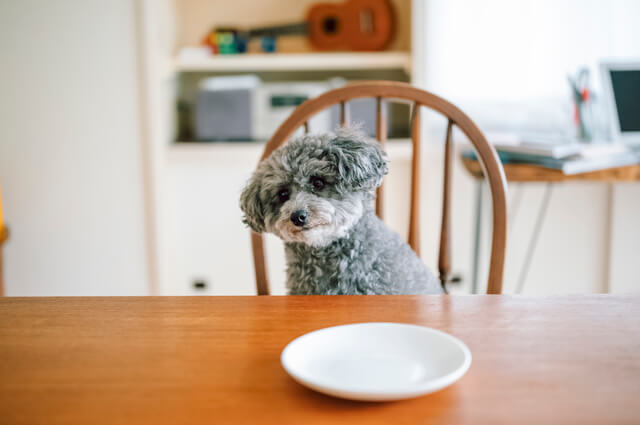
(542, 212)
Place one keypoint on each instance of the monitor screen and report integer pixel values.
(626, 92)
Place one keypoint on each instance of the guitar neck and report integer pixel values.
(275, 31)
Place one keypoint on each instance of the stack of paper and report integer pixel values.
(569, 156)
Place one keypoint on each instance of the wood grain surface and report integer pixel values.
(216, 360)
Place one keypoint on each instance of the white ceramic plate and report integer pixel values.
(376, 361)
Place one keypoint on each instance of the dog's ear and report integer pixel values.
(252, 206)
(361, 162)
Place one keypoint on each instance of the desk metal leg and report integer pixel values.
(476, 241)
(542, 212)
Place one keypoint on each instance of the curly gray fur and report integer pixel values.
(342, 247)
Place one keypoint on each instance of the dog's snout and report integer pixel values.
(299, 218)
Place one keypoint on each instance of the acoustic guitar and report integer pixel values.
(360, 25)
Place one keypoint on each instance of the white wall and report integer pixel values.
(523, 50)
(506, 62)
(70, 164)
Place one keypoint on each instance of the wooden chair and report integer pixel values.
(396, 91)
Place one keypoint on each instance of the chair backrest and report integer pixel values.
(396, 91)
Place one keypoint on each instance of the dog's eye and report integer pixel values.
(318, 183)
(283, 195)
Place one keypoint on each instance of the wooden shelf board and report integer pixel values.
(296, 62)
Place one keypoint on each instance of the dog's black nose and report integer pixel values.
(299, 218)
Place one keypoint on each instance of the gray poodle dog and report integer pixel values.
(315, 193)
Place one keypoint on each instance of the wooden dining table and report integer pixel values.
(216, 360)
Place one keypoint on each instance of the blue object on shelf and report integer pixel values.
(268, 44)
(241, 44)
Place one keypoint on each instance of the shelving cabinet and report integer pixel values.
(201, 246)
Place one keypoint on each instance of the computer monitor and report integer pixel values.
(621, 90)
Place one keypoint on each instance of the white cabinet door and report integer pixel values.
(206, 241)
(624, 254)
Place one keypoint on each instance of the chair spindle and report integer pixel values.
(260, 264)
(414, 214)
(344, 113)
(444, 257)
(381, 134)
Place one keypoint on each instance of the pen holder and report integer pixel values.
(584, 119)
(583, 116)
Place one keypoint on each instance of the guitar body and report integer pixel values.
(354, 25)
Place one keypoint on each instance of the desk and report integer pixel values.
(534, 173)
(522, 173)
(215, 360)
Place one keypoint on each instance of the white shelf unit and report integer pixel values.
(194, 187)
(288, 62)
